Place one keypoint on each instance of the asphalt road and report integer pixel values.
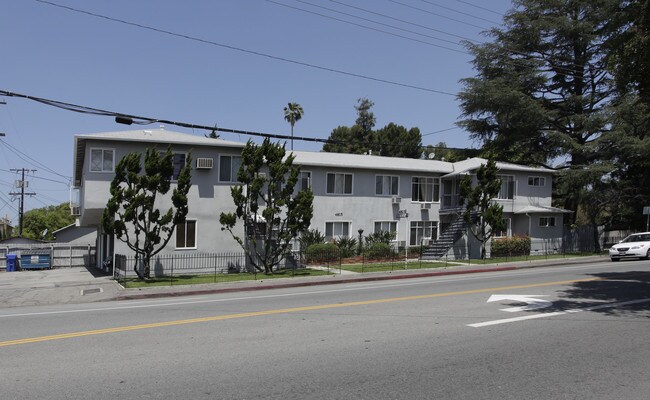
(573, 332)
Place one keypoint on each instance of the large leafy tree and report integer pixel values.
(629, 147)
(273, 213)
(482, 214)
(543, 89)
(392, 140)
(630, 47)
(396, 141)
(293, 113)
(131, 213)
(40, 223)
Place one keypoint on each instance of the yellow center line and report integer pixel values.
(277, 311)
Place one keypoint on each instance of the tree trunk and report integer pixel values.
(147, 268)
(596, 238)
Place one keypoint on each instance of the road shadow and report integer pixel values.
(608, 288)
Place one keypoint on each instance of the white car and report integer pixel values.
(633, 246)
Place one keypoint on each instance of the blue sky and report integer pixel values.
(64, 55)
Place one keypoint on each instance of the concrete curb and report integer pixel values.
(179, 291)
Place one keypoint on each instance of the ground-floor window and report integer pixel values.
(421, 230)
(186, 235)
(547, 221)
(386, 226)
(337, 229)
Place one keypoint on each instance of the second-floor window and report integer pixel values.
(102, 160)
(304, 180)
(228, 168)
(507, 191)
(179, 163)
(386, 185)
(424, 189)
(338, 183)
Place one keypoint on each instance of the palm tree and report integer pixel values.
(292, 114)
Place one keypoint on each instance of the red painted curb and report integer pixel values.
(311, 283)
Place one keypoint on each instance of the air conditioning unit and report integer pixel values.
(75, 211)
(204, 163)
(426, 242)
(397, 200)
(425, 206)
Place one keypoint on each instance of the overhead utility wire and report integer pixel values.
(459, 12)
(567, 70)
(129, 118)
(479, 7)
(369, 27)
(209, 42)
(48, 169)
(408, 22)
(39, 177)
(439, 15)
(436, 14)
(516, 62)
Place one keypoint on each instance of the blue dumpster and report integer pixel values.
(12, 259)
(35, 261)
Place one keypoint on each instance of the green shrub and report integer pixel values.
(309, 237)
(347, 246)
(379, 237)
(378, 250)
(514, 246)
(322, 253)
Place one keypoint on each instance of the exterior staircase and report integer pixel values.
(446, 239)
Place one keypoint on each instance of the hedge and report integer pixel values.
(322, 253)
(514, 246)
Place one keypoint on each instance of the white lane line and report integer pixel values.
(554, 314)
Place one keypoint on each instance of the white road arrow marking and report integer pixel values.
(554, 314)
(531, 300)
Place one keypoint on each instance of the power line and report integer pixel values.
(439, 15)
(371, 28)
(407, 22)
(39, 177)
(129, 118)
(459, 12)
(515, 62)
(479, 7)
(277, 58)
(440, 131)
(34, 161)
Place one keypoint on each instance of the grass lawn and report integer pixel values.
(393, 266)
(400, 265)
(497, 260)
(194, 279)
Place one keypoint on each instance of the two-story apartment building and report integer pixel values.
(416, 199)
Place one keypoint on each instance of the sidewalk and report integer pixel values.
(56, 286)
(78, 285)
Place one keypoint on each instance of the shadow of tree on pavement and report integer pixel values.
(608, 288)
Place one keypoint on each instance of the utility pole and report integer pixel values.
(22, 184)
